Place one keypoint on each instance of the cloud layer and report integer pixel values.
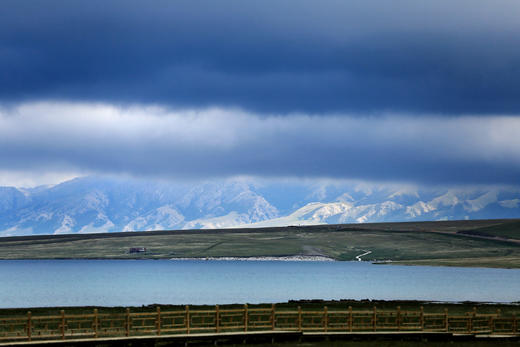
(219, 142)
(402, 91)
(441, 57)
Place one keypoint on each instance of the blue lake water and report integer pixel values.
(28, 283)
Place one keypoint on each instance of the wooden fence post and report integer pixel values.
(127, 323)
(62, 313)
(470, 320)
(493, 320)
(374, 318)
(515, 324)
(325, 318)
(217, 319)
(299, 318)
(422, 318)
(246, 317)
(29, 326)
(350, 319)
(96, 323)
(187, 319)
(273, 324)
(158, 322)
(398, 318)
(470, 327)
(446, 321)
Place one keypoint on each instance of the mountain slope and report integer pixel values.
(91, 204)
(100, 204)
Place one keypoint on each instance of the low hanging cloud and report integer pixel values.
(224, 142)
(282, 56)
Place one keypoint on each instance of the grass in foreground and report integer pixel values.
(307, 305)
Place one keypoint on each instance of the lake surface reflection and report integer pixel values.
(31, 283)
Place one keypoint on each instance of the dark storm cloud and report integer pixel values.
(210, 143)
(449, 57)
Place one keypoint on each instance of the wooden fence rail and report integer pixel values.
(218, 320)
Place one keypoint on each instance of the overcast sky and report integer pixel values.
(406, 91)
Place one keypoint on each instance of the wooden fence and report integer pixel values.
(218, 320)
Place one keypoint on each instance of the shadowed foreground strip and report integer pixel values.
(245, 322)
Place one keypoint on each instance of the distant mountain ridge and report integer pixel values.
(100, 204)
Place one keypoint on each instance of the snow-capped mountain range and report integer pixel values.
(101, 204)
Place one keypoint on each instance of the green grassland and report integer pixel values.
(487, 243)
(504, 230)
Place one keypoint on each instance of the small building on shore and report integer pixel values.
(137, 250)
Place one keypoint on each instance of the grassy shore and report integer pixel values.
(306, 305)
(486, 243)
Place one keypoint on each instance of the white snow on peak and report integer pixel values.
(258, 208)
(336, 212)
(480, 202)
(302, 216)
(91, 228)
(99, 205)
(232, 219)
(95, 200)
(327, 210)
(67, 225)
(449, 199)
(102, 224)
(365, 213)
(419, 208)
(164, 217)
